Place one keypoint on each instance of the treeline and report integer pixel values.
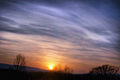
(18, 72)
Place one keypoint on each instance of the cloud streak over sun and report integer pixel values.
(68, 32)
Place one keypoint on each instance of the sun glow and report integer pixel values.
(51, 67)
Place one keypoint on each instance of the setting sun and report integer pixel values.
(51, 67)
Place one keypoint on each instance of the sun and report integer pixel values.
(51, 67)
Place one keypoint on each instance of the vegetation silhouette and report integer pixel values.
(19, 62)
(66, 69)
(104, 72)
(105, 69)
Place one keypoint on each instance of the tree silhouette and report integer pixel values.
(63, 69)
(67, 70)
(19, 62)
(105, 69)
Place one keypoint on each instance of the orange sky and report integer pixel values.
(79, 34)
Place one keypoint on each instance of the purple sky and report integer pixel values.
(76, 33)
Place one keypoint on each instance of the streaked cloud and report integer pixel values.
(76, 30)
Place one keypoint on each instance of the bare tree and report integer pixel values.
(19, 62)
(68, 69)
(63, 69)
(105, 69)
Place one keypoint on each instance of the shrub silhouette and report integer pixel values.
(19, 62)
(105, 69)
(65, 69)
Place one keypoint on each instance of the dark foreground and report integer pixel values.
(22, 75)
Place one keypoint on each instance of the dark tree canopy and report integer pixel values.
(19, 62)
(105, 69)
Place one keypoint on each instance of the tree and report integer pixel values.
(19, 62)
(105, 69)
(64, 69)
(67, 70)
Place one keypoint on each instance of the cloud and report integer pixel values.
(75, 30)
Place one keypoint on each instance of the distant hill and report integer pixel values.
(40, 74)
(7, 66)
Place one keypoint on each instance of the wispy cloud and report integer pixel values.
(75, 30)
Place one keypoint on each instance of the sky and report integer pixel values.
(81, 34)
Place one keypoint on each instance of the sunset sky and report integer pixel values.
(81, 34)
